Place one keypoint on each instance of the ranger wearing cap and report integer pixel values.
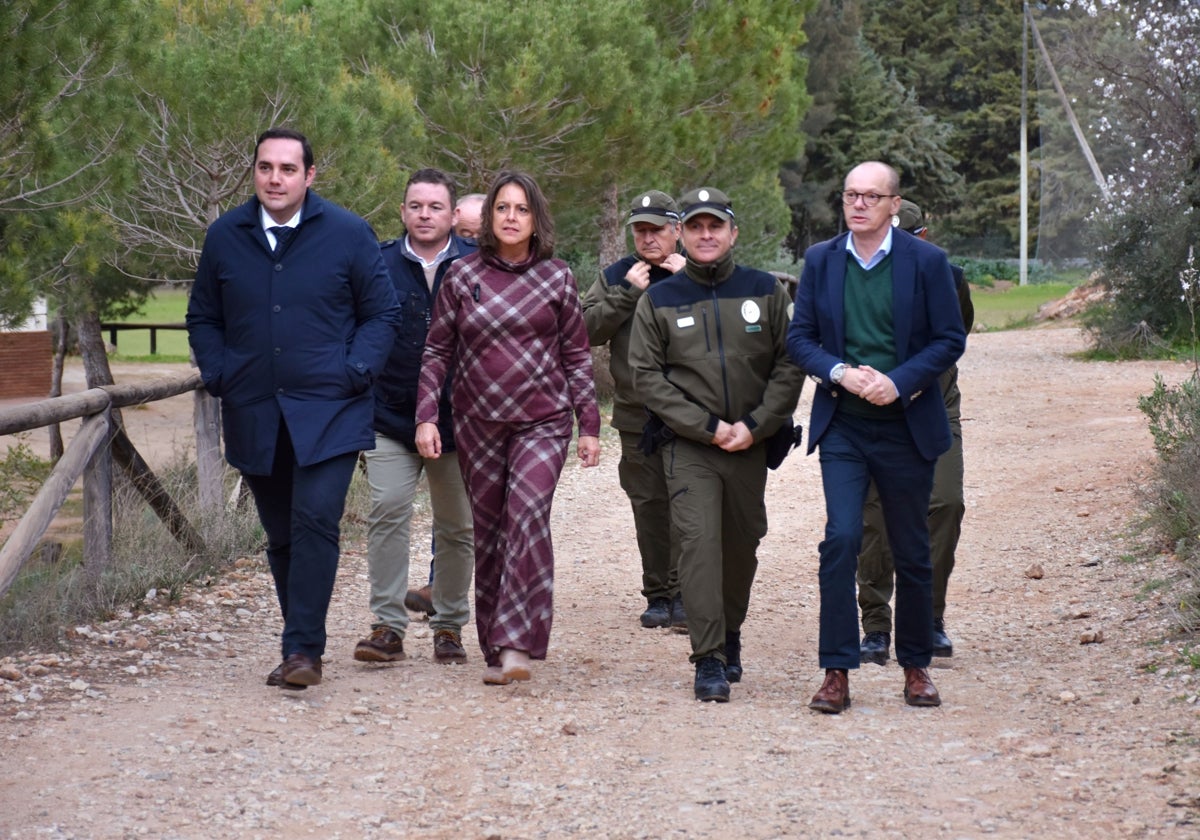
(608, 312)
(876, 571)
(710, 361)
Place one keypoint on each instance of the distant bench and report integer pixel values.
(114, 328)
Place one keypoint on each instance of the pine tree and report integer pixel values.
(861, 112)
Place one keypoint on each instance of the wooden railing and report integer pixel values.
(114, 327)
(101, 443)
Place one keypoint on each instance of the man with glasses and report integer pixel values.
(608, 312)
(876, 322)
(946, 507)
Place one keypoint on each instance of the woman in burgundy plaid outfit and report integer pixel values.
(508, 329)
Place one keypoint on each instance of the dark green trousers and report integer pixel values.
(720, 516)
(644, 483)
(876, 574)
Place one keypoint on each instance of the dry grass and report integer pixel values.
(54, 591)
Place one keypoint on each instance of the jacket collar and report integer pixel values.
(251, 211)
(711, 274)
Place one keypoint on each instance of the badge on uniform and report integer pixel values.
(687, 321)
(750, 314)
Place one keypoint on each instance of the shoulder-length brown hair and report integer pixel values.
(542, 244)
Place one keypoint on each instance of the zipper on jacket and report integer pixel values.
(721, 348)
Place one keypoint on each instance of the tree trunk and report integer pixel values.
(61, 333)
(612, 234)
(93, 351)
(612, 248)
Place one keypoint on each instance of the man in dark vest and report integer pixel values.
(710, 361)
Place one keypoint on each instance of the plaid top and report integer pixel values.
(517, 343)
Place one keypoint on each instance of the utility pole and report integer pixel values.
(1062, 96)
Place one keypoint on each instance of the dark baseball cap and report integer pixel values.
(655, 207)
(910, 217)
(708, 200)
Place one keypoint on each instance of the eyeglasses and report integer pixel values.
(849, 197)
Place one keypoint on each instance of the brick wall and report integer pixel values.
(25, 363)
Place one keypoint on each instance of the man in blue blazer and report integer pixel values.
(291, 317)
(876, 321)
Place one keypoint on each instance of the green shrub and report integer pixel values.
(1144, 253)
(1174, 415)
(987, 273)
(21, 474)
(1174, 493)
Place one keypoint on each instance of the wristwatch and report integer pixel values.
(835, 375)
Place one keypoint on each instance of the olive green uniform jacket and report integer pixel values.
(710, 344)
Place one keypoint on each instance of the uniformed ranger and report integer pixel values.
(608, 312)
(709, 359)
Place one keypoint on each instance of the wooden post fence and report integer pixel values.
(101, 442)
(114, 327)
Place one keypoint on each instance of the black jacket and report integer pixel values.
(396, 386)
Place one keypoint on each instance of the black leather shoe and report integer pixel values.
(733, 656)
(942, 646)
(711, 684)
(678, 614)
(874, 648)
(658, 613)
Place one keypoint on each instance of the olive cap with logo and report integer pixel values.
(708, 200)
(909, 217)
(654, 207)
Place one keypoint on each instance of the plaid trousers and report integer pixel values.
(511, 471)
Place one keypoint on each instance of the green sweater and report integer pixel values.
(870, 334)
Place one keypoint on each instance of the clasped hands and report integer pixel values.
(732, 437)
(874, 387)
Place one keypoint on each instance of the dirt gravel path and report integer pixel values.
(159, 725)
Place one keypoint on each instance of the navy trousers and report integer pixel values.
(300, 509)
(853, 451)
